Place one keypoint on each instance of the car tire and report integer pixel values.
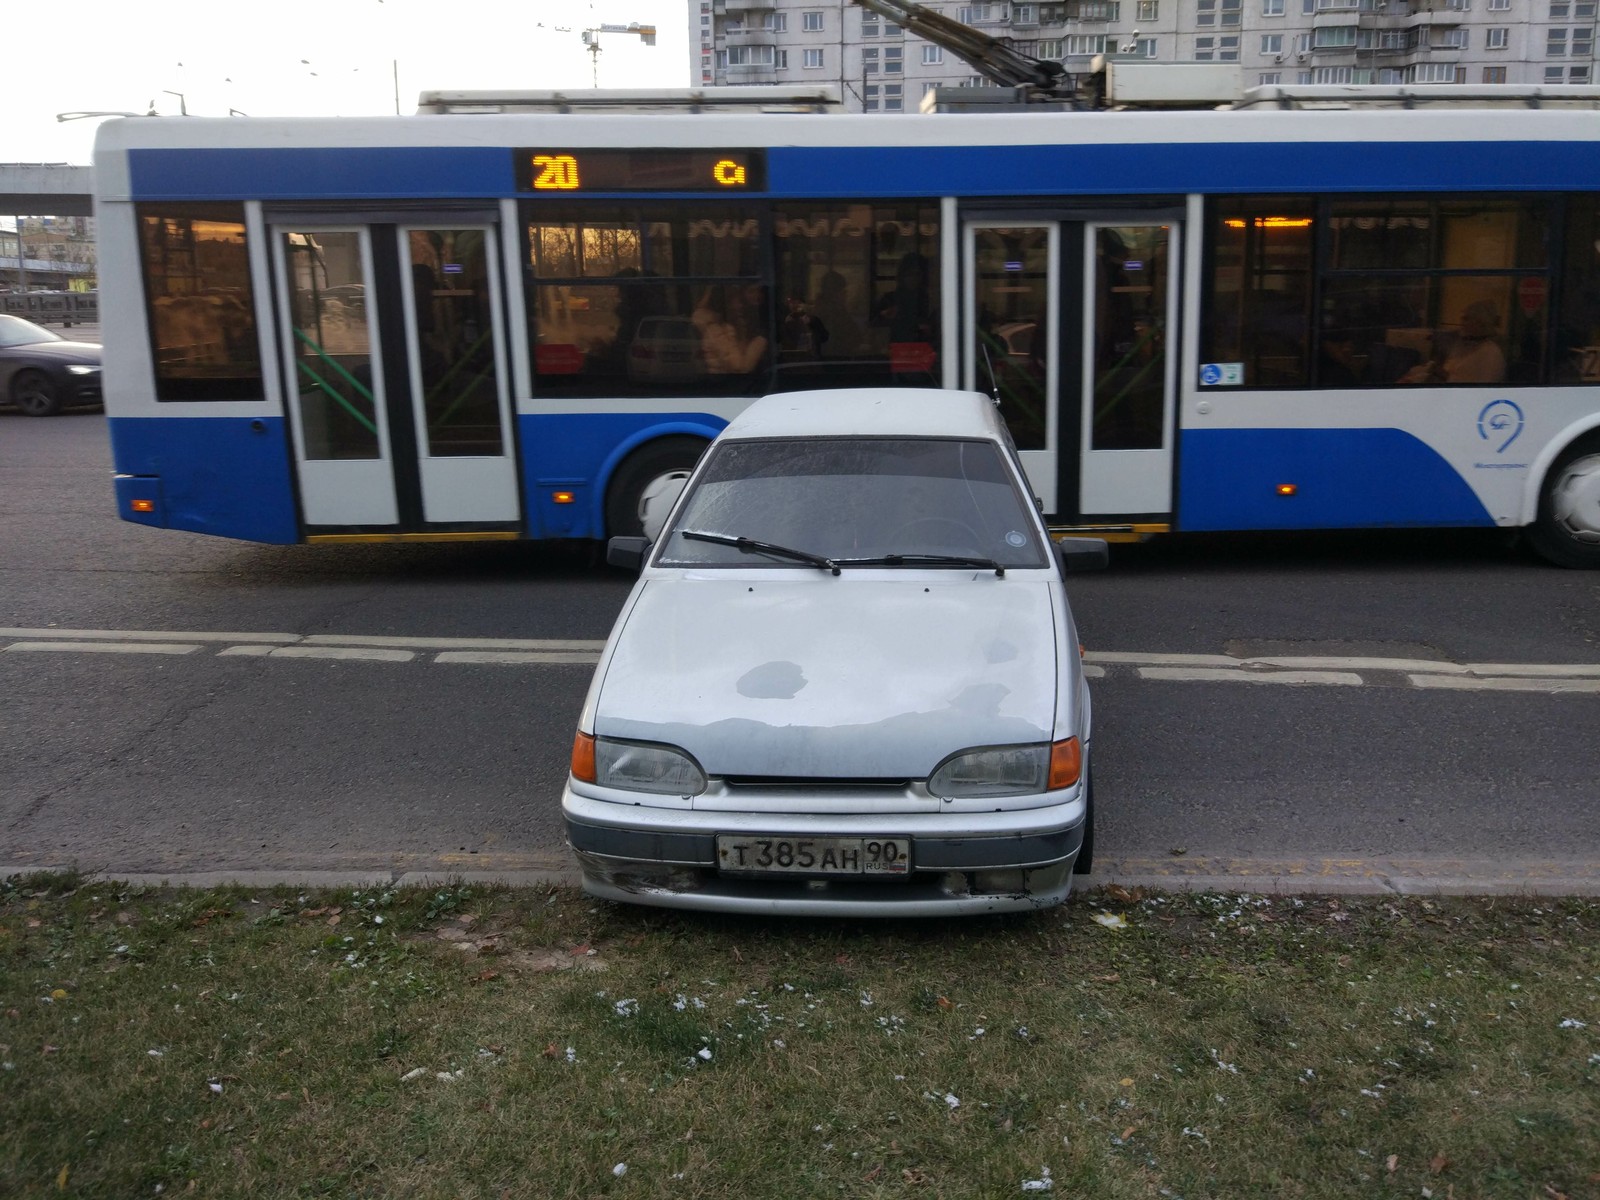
(648, 480)
(1085, 860)
(1567, 530)
(35, 394)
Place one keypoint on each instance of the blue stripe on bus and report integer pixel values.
(1344, 479)
(228, 476)
(372, 173)
(577, 452)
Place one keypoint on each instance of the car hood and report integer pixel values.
(66, 352)
(845, 677)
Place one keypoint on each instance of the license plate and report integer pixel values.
(815, 856)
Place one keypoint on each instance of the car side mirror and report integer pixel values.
(1082, 554)
(627, 552)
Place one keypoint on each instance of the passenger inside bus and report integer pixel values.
(1471, 355)
(730, 322)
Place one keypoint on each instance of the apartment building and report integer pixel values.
(882, 68)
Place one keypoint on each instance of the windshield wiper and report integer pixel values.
(925, 560)
(751, 546)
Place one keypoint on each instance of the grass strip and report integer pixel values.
(476, 1042)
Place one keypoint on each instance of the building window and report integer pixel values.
(1334, 75)
(1144, 47)
(1494, 74)
(1082, 45)
(893, 59)
(1232, 11)
(1205, 13)
(1499, 5)
(747, 56)
(813, 59)
(783, 60)
(869, 24)
(1024, 14)
(869, 61)
(1272, 8)
(777, 22)
(1583, 42)
(1148, 10)
(1205, 49)
(811, 22)
(1228, 48)
(971, 14)
(1268, 78)
(1496, 39)
(1578, 75)
(1049, 48)
(1334, 37)
(1458, 5)
(1433, 73)
(733, 25)
(1272, 43)
(932, 56)
(1452, 39)
(1555, 45)
(1559, 10)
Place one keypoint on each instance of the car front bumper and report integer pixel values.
(1008, 861)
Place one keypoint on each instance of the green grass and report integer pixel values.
(471, 1042)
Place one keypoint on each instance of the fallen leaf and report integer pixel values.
(1112, 978)
(872, 1174)
(944, 1002)
(1125, 1082)
(59, 994)
(1553, 1193)
(61, 1177)
(1392, 1162)
(1438, 1163)
(580, 950)
(206, 1124)
(737, 957)
(552, 1050)
(1111, 920)
(284, 1096)
(841, 959)
(486, 976)
(914, 1175)
(1126, 895)
(1128, 1132)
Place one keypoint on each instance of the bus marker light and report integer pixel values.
(144, 506)
(1288, 489)
(563, 497)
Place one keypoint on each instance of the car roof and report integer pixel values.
(901, 412)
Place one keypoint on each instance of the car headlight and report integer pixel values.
(1008, 770)
(636, 766)
(80, 369)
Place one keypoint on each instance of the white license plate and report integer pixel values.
(815, 856)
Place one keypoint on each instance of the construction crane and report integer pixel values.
(591, 39)
(1035, 78)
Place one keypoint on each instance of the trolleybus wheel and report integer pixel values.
(646, 484)
(1567, 529)
(35, 395)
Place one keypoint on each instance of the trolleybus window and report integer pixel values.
(202, 315)
(1577, 338)
(1411, 291)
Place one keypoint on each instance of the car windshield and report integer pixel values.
(14, 331)
(849, 499)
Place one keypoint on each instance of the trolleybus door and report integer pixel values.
(334, 376)
(400, 405)
(1013, 335)
(1128, 365)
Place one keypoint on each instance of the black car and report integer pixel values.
(42, 373)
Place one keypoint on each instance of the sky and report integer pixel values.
(309, 58)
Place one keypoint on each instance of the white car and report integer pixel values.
(847, 681)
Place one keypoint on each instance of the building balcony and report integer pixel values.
(746, 36)
(750, 73)
(722, 7)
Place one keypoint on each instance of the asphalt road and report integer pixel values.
(148, 728)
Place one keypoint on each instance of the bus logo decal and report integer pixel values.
(1500, 418)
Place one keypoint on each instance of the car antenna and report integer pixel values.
(994, 382)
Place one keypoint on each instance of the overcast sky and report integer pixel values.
(306, 58)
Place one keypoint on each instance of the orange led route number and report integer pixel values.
(605, 170)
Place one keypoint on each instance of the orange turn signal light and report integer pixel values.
(563, 497)
(583, 757)
(1288, 489)
(148, 506)
(1066, 763)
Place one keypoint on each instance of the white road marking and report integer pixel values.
(1155, 667)
(520, 657)
(107, 647)
(1235, 675)
(1506, 684)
